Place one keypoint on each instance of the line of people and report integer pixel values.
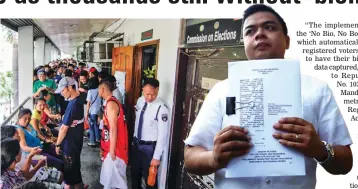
(66, 97)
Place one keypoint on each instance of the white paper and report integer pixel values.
(121, 82)
(268, 90)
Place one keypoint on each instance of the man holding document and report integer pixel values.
(319, 136)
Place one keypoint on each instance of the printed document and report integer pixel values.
(265, 91)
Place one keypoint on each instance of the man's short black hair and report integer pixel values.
(50, 73)
(46, 66)
(7, 131)
(152, 82)
(84, 73)
(82, 64)
(43, 94)
(107, 81)
(93, 83)
(68, 73)
(264, 8)
(71, 65)
(102, 74)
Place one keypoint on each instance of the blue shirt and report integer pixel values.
(30, 137)
(73, 142)
(95, 101)
(57, 78)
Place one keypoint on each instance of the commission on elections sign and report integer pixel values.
(214, 32)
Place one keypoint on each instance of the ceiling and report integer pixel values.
(68, 34)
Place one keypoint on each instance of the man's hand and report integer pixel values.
(58, 116)
(41, 89)
(300, 135)
(82, 90)
(47, 128)
(48, 140)
(58, 150)
(113, 155)
(230, 142)
(100, 152)
(155, 163)
(35, 151)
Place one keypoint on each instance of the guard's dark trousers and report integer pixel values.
(142, 155)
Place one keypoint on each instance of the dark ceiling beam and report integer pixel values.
(6, 23)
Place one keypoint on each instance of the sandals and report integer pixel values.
(91, 145)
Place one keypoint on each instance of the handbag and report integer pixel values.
(92, 103)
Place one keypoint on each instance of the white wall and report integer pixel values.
(168, 31)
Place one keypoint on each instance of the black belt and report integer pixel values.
(145, 142)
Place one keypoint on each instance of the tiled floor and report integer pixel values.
(91, 166)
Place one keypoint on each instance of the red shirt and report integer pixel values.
(44, 117)
(121, 150)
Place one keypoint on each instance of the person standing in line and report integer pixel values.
(60, 73)
(45, 84)
(150, 133)
(114, 142)
(70, 137)
(92, 111)
(93, 72)
(75, 75)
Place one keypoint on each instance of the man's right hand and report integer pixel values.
(41, 89)
(230, 142)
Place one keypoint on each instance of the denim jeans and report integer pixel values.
(93, 130)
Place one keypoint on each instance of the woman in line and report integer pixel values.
(92, 111)
(40, 106)
(46, 114)
(30, 139)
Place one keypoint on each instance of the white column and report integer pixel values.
(40, 51)
(52, 52)
(26, 64)
(47, 53)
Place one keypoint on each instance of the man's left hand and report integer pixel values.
(58, 150)
(113, 155)
(300, 135)
(155, 163)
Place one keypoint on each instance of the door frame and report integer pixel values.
(183, 79)
(138, 64)
(174, 177)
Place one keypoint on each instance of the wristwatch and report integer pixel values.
(58, 145)
(330, 152)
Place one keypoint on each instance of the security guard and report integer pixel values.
(150, 134)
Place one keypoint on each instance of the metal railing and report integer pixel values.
(15, 111)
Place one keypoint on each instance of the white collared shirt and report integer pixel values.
(319, 108)
(155, 124)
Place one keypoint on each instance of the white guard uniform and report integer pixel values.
(155, 124)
